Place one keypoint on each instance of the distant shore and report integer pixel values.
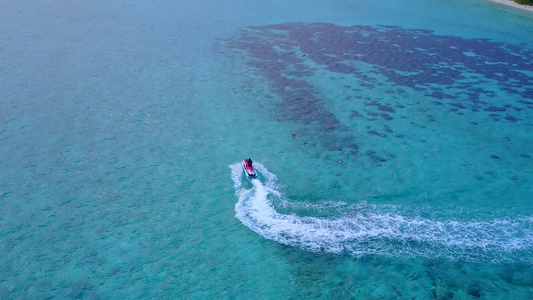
(514, 4)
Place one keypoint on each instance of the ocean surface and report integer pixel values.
(123, 125)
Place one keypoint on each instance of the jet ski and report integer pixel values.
(248, 169)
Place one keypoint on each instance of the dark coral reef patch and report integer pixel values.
(465, 76)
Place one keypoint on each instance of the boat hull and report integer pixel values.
(249, 172)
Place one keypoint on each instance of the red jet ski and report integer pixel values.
(248, 168)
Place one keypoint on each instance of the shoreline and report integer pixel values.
(514, 4)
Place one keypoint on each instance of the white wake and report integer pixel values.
(368, 230)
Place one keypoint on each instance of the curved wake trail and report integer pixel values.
(367, 230)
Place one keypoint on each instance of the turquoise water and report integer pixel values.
(124, 123)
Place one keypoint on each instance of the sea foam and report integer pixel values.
(367, 229)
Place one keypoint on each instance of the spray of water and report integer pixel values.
(366, 229)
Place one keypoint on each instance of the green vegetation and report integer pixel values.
(527, 2)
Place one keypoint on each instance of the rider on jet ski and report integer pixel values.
(249, 164)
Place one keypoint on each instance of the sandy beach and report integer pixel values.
(514, 4)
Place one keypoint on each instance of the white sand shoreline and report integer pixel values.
(514, 4)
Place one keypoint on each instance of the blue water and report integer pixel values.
(124, 124)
